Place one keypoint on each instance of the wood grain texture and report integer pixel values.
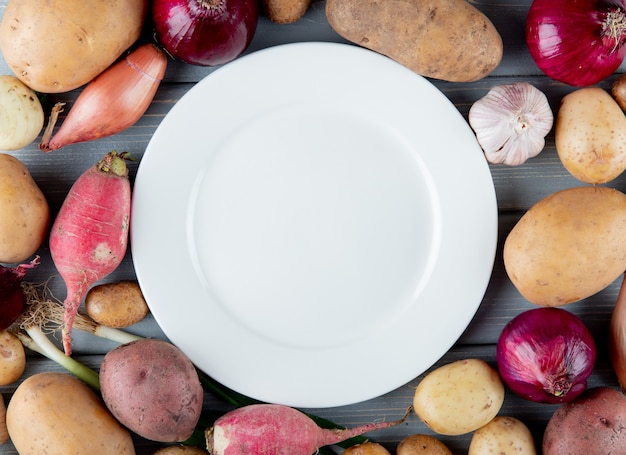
(517, 189)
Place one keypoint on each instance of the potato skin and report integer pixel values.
(422, 444)
(594, 422)
(459, 397)
(504, 435)
(57, 414)
(116, 305)
(55, 47)
(449, 40)
(25, 214)
(366, 448)
(568, 246)
(590, 135)
(12, 358)
(153, 389)
(285, 11)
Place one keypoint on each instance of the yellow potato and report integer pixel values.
(568, 246)
(116, 305)
(57, 414)
(12, 358)
(366, 448)
(503, 436)
(58, 46)
(590, 135)
(459, 397)
(24, 212)
(285, 11)
(422, 444)
(449, 40)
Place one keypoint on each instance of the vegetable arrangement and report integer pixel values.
(449, 40)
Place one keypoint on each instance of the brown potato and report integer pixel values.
(12, 358)
(58, 46)
(459, 397)
(568, 246)
(593, 423)
(116, 305)
(590, 135)
(449, 40)
(285, 11)
(503, 436)
(24, 211)
(57, 414)
(366, 448)
(422, 444)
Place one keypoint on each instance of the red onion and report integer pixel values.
(578, 42)
(12, 298)
(546, 355)
(205, 32)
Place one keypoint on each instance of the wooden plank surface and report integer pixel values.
(517, 188)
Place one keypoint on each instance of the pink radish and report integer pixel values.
(273, 429)
(90, 233)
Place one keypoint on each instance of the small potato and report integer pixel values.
(181, 450)
(153, 389)
(590, 135)
(568, 246)
(25, 214)
(12, 358)
(593, 423)
(422, 444)
(285, 11)
(367, 448)
(504, 436)
(57, 414)
(116, 305)
(459, 397)
(449, 40)
(21, 114)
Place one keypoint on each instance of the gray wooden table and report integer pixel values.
(517, 188)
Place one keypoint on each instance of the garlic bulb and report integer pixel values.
(511, 122)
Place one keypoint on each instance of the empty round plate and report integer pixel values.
(308, 212)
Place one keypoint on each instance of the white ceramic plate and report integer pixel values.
(313, 225)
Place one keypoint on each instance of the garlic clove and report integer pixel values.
(511, 123)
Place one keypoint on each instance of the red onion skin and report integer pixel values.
(545, 355)
(570, 43)
(12, 299)
(205, 32)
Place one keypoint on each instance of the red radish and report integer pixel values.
(273, 429)
(90, 233)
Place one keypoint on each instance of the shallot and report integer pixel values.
(546, 355)
(112, 102)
